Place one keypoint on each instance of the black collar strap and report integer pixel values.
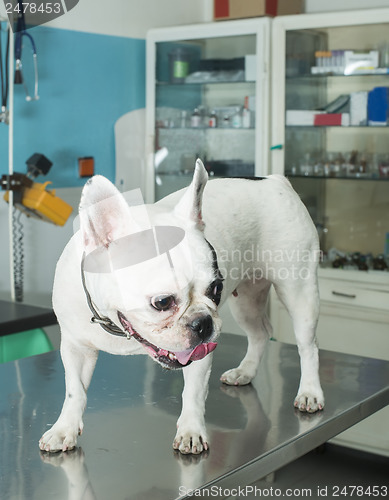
(105, 323)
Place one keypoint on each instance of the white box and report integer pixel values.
(355, 62)
(250, 68)
(252, 103)
(358, 108)
(301, 117)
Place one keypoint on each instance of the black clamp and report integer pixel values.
(15, 182)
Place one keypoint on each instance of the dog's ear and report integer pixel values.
(104, 213)
(189, 207)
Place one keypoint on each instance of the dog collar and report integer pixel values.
(106, 323)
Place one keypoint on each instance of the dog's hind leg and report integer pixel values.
(302, 302)
(79, 363)
(248, 307)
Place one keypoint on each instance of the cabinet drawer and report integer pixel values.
(354, 295)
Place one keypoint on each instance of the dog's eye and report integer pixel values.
(216, 290)
(163, 302)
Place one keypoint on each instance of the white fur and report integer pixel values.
(256, 227)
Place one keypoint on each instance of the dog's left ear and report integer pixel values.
(189, 207)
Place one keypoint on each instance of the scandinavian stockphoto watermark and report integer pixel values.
(255, 263)
(35, 12)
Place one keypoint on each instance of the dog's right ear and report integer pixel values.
(189, 207)
(104, 213)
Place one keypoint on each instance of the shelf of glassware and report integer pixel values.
(225, 152)
(351, 134)
(337, 151)
(214, 121)
(218, 104)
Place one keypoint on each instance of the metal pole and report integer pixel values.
(11, 157)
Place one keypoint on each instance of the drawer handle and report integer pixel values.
(348, 295)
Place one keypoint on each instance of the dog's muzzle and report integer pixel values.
(201, 326)
(169, 359)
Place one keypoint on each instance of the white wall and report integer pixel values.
(312, 6)
(131, 18)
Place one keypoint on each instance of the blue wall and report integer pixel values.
(86, 82)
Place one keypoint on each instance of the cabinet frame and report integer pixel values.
(371, 434)
(261, 28)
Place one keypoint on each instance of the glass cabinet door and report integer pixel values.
(335, 139)
(205, 101)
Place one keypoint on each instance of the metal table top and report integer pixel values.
(16, 317)
(126, 449)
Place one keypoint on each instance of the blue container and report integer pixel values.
(378, 106)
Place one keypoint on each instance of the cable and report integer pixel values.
(4, 72)
(18, 254)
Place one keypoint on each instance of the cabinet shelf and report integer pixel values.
(363, 177)
(310, 76)
(319, 127)
(200, 84)
(210, 129)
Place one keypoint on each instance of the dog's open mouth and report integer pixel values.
(172, 360)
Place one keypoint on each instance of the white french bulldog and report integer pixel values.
(112, 293)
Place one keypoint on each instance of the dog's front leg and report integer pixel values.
(191, 434)
(79, 363)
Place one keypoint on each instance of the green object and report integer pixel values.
(24, 344)
(180, 69)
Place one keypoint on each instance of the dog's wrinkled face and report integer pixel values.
(162, 285)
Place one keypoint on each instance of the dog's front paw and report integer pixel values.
(237, 376)
(59, 438)
(191, 440)
(309, 402)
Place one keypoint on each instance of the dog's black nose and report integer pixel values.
(202, 326)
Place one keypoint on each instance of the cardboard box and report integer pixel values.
(238, 9)
(358, 108)
(332, 119)
(301, 117)
(250, 68)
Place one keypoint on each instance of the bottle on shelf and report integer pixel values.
(246, 114)
(195, 119)
(183, 118)
(236, 120)
(225, 122)
(212, 120)
(306, 167)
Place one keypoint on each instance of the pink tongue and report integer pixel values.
(195, 354)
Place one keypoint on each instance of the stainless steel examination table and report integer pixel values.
(133, 404)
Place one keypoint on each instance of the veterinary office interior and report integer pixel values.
(136, 91)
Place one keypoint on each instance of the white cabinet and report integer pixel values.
(207, 96)
(328, 137)
(353, 320)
